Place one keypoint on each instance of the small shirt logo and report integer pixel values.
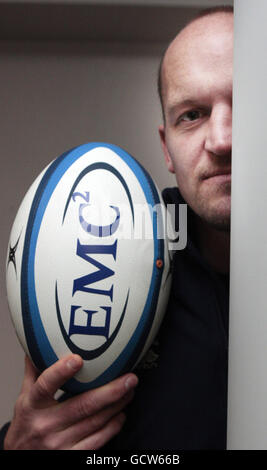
(150, 360)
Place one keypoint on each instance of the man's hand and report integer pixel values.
(86, 421)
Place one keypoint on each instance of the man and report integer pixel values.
(180, 401)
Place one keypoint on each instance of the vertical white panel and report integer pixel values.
(247, 393)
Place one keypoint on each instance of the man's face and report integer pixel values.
(197, 136)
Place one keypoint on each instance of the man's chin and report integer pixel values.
(217, 217)
(222, 225)
(219, 220)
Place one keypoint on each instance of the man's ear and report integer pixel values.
(167, 157)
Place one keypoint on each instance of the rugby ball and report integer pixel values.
(88, 265)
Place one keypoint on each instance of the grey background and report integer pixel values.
(70, 73)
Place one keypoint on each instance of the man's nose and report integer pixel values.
(219, 134)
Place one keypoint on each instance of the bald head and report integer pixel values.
(207, 24)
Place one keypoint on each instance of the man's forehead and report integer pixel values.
(204, 40)
(204, 28)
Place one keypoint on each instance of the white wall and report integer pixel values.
(53, 97)
(247, 400)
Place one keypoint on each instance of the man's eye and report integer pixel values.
(190, 116)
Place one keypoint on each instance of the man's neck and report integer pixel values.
(214, 246)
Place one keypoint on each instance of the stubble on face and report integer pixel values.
(216, 215)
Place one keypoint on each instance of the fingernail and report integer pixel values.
(131, 382)
(74, 363)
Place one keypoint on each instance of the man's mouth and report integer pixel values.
(218, 175)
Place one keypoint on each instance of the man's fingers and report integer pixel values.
(30, 375)
(85, 421)
(93, 401)
(101, 437)
(94, 423)
(53, 378)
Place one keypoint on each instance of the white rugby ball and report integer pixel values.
(88, 265)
